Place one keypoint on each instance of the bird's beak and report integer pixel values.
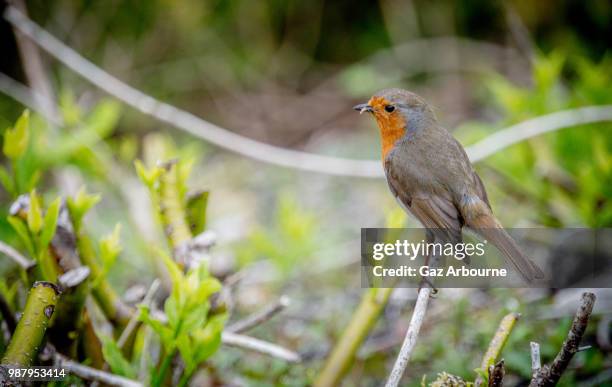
(363, 107)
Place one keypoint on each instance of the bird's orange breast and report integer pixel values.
(392, 125)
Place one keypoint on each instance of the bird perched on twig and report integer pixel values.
(431, 176)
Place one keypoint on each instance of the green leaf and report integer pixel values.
(208, 340)
(31, 182)
(171, 308)
(80, 204)
(194, 318)
(7, 181)
(176, 274)
(71, 113)
(482, 373)
(207, 287)
(147, 176)
(196, 211)
(114, 357)
(16, 139)
(186, 349)
(34, 213)
(24, 234)
(165, 334)
(110, 246)
(50, 223)
(98, 125)
(103, 118)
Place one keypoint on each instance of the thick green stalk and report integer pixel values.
(68, 322)
(32, 326)
(338, 363)
(89, 344)
(172, 210)
(163, 369)
(497, 344)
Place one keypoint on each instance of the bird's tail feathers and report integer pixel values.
(491, 229)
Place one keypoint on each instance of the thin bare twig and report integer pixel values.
(549, 375)
(519, 32)
(16, 256)
(537, 126)
(259, 317)
(182, 119)
(93, 374)
(251, 343)
(133, 323)
(418, 315)
(246, 342)
(536, 361)
(264, 152)
(27, 97)
(411, 337)
(33, 66)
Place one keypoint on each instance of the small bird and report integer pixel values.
(432, 178)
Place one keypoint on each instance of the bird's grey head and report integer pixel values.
(398, 106)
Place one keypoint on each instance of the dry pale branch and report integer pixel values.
(33, 67)
(27, 97)
(536, 361)
(93, 374)
(251, 343)
(259, 317)
(182, 119)
(264, 152)
(134, 323)
(411, 337)
(537, 126)
(549, 375)
(16, 256)
(418, 315)
(232, 339)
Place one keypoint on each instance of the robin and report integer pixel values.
(432, 178)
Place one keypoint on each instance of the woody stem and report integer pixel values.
(32, 326)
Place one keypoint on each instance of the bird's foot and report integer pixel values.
(426, 282)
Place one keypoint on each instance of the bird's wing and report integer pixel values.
(461, 158)
(436, 212)
(480, 189)
(433, 210)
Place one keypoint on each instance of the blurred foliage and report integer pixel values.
(288, 242)
(287, 72)
(565, 175)
(190, 329)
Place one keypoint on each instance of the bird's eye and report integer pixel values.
(389, 108)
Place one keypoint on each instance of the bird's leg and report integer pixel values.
(425, 281)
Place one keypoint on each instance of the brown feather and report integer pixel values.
(431, 176)
(489, 228)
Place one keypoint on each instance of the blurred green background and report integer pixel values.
(287, 73)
